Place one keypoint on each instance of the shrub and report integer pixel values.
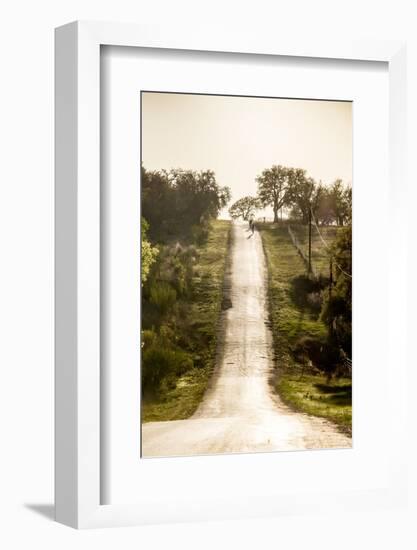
(163, 296)
(314, 301)
(149, 338)
(149, 253)
(199, 233)
(306, 292)
(322, 354)
(166, 336)
(176, 267)
(159, 364)
(337, 309)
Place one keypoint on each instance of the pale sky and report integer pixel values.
(238, 137)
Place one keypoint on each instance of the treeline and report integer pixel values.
(292, 190)
(311, 314)
(328, 298)
(180, 203)
(177, 207)
(337, 307)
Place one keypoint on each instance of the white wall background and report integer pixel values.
(26, 272)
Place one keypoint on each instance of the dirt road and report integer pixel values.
(240, 412)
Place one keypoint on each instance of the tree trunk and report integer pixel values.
(275, 215)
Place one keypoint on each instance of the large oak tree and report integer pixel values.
(273, 188)
(244, 208)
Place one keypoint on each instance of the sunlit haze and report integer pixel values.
(238, 137)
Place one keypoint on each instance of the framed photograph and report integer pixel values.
(229, 336)
(239, 301)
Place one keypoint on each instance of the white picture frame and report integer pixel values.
(78, 406)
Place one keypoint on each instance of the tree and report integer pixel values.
(325, 214)
(156, 198)
(341, 201)
(337, 308)
(244, 208)
(198, 197)
(273, 188)
(303, 193)
(149, 252)
(174, 201)
(335, 204)
(348, 204)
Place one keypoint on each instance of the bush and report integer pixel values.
(324, 355)
(149, 338)
(199, 233)
(314, 301)
(163, 296)
(306, 292)
(337, 309)
(159, 364)
(149, 253)
(175, 266)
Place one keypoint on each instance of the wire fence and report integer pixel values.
(300, 251)
(317, 255)
(346, 363)
(328, 248)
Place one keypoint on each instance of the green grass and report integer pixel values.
(313, 395)
(178, 402)
(319, 256)
(290, 321)
(183, 397)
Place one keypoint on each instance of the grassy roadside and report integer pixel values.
(307, 391)
(313, 395)
(181, 399)
(319, 257)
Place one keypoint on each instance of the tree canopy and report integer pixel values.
(291, 188)
(176, 200)
(335, 205)
(273, 187)
(306, 195)
(244, 208)
(337, 309)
